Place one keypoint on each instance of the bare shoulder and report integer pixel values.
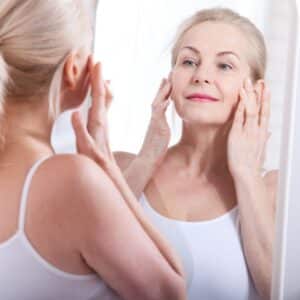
(69, 167)
(73, 187)
(70, 196)
(68, 177)
(124, 159)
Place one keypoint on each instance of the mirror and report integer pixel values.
(133, 42)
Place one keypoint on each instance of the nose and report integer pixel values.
(202, 75)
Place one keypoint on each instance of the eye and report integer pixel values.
(225, 67)
(189, 62)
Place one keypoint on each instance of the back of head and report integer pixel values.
(35, 38)
(257, 50)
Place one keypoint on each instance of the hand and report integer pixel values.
(92, 139)
(158, 134)
(249, 132)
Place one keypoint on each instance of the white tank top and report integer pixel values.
(211, 253)
(26, 275)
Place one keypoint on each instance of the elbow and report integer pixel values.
(173, 287)
(264, 287)
(265, 292)
(178, 289)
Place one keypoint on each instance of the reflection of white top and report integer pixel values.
(26, 275)
(212, 255)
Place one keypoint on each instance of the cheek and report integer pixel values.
(179, 81)
(231, 91)
(175, 86)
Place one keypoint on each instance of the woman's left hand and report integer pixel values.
(249, 132)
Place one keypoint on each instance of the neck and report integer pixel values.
(27, 131)
(203, 149)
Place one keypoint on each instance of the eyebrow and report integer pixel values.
(219, 54)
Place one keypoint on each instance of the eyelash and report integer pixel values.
(189, 62)
(222, 66)
(227, 66)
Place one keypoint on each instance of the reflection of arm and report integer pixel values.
(136, 169)
(256, 199)
(117, 241)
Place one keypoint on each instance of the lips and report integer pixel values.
(201, 98)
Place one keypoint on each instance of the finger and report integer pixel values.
(264, 114)
(83, 139)
(163, 92)
(163, 82)
(109, 94)
(250, 100)
(98, 108)
(86, 85)
(91, 63)
(238, 120)
(166, 104)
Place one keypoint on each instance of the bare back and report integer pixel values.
(43, 227)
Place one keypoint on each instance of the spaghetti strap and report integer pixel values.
(25, 192)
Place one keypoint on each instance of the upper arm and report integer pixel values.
(112, 241)
(124, 159)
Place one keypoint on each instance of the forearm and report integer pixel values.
(257, 219)
(138, 174)
(161, 244)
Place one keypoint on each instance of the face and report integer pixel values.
(211, 67)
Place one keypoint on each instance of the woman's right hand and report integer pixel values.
(158, 134)
(92, 138)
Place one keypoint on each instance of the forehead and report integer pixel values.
(216, 37)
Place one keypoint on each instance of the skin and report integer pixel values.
(79, 199)
(221, 151)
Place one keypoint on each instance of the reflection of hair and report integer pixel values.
(257, 61)
(35, 38)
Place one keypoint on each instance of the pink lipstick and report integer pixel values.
(201, 98)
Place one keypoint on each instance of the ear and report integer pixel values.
(71, 71)
(259, 87)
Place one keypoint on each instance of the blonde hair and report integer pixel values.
(36, 37)
(257, 61)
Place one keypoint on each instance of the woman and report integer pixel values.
(207, 194)
(68, 230)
